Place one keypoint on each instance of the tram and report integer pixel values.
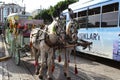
(99, 23)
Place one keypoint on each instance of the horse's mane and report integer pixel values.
(68, 28)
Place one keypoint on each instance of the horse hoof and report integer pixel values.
(68, 78)
(46, 67)
(65, 74)
(40, 77)
(37, 72)
(50, 78)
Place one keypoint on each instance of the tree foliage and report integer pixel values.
(46, 14)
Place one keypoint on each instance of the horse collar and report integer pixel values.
(48, 42)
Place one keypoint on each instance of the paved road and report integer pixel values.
(57, 74)
(87, 70)
(9, 71)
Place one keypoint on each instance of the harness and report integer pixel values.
(48, 42)
(37, 37)
(46, 38)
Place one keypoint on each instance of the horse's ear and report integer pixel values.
(56, 19)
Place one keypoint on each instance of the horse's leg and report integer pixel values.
(67, 67)
(53, 60)
(46, 57)
(37, 66)
(42, 52)
(49, 71)
(66, 64)
(32, 52)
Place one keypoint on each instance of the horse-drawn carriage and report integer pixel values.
(17, 34)
(47, 40)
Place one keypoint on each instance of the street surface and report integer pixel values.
(9, 71)
(87, 69)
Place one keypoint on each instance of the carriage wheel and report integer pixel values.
(11, 49)
(17, 57)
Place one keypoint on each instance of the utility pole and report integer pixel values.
(40, 8)
(23, 11)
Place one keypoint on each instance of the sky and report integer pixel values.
(31, 5)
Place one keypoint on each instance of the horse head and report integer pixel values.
(53, 27)
(54, 31)
(71, 32)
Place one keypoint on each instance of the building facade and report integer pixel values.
(36, 12)
(6, 9)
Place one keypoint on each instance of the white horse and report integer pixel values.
(70, 43)
(44, 42)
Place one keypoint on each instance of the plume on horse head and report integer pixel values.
(68, 28)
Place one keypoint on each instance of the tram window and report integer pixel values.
(94, 11)
(82, 19)
(74, 15)
(83, 13)
(110, 15)
(82, 22)
(110, 8)
(94, 17)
